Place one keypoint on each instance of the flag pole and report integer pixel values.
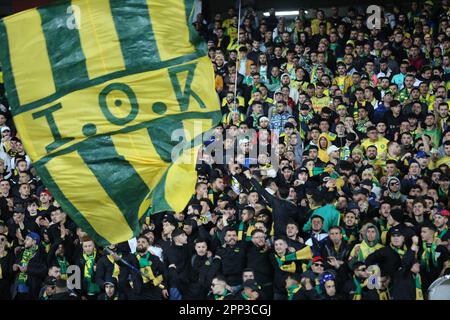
(238, 33)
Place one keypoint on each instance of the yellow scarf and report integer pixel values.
(419, 293)
(89, 265)
(384, 295)
(116, 270)
(145, 266)
(366, 250)
(2, 256)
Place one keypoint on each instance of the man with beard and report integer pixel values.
(356, 288)
(372, 157)
(357, 159)
(30, 269)
(258, 259)
(335, 252)
(231, 258)
(440, 220)
(147, 273)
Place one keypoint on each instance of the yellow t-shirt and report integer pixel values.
(381, 144)
(300, 85)
(319, 103)
(315, 26)
(431, 108)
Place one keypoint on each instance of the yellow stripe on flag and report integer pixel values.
(29, 61)
(70, 121)
(137, 148)
(99, 211)
(168, 34)
(99, 39)
(180, 179)
(196, 127)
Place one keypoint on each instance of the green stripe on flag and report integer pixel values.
(159, 202)
(117, 177)
(194, 36)
(162, 138)
(64, 47)
(9, 82)
(214, 115)
(68, 207)
(115, 75)
(135, 32)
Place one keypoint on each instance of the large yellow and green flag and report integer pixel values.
(105, 94)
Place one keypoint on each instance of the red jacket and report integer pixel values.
(417, 63)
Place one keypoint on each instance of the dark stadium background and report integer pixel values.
(8, 7)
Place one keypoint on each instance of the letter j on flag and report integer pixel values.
(96, 89)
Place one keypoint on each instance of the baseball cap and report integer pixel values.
(34, 236)
(4, 128)
(317, 258)
(331, 149)
(50, 281)
(252, 284)
(303, 169)
(444, 213)
(421, 154)
(353, 205)
(244, 140)
(366, 182)
(396, 232)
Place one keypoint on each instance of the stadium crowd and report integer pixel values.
(332, 180)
